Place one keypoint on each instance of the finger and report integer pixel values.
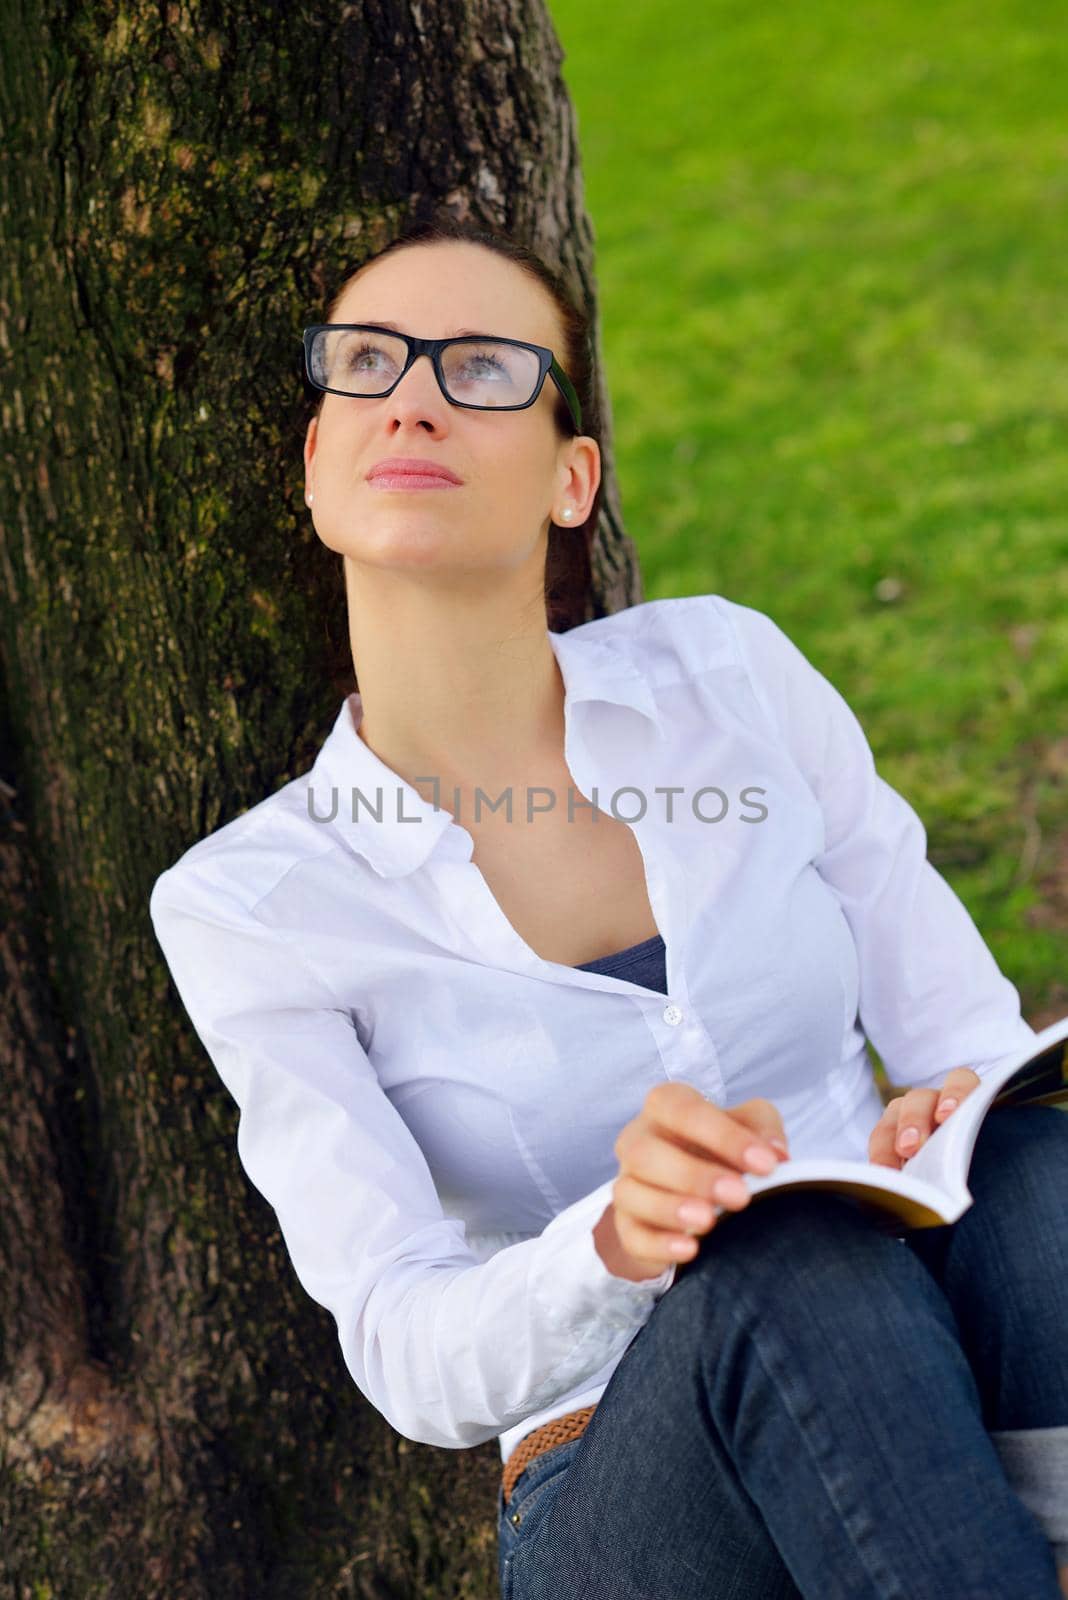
(665, 1210)
(881, 1143)
(647, 1243)
(915, 1121)
(765, 1119)
(656, 1160)
(697, 1125)
(959, 1083)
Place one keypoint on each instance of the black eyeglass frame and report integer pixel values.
(547, 364)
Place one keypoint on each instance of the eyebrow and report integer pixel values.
(457, 333)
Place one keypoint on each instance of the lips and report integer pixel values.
(411, 472)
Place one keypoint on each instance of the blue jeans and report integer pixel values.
(809, 1409)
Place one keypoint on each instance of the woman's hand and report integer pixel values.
(910, 1118)
(679, 1150)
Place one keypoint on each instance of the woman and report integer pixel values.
(432, 973)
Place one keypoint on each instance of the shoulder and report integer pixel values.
(748, 660)
(231, 914)
(245, 859)
(697, 633)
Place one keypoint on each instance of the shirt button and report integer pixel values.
(672, 1016)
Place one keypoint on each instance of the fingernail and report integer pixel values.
(907, 1138)
(780, 1144)
(728, 1189)
(759, 1160)
(946, 1105)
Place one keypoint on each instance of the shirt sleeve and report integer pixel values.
(451, 1351)
(931, 995)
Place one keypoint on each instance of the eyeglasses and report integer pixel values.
(481, 374)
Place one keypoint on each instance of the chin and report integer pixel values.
(398, 551)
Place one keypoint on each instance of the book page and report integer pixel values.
(1030, 1078)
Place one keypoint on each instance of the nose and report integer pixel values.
(417, 401)
(426, 386)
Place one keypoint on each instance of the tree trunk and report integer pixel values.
(184, 186)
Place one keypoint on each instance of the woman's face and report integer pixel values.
(517, 473)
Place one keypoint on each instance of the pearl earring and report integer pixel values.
(311, 497)
(567, 512)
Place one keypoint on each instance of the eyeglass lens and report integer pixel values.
(479, 372)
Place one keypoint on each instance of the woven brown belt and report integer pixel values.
(543, 1438)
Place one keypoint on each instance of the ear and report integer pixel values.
(309, 449)
(582, 474)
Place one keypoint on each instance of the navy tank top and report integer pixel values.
(643, 963)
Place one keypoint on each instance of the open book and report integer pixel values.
(930, 1189)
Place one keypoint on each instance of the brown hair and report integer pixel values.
(568, 572)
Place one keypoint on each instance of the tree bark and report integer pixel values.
(182, 185)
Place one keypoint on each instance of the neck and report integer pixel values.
(464, 688)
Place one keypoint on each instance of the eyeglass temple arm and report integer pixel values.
(567, 389)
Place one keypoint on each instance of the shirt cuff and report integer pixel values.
(583, 1283)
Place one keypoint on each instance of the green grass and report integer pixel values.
(833, 292)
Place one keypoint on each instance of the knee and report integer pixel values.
(812, 1262)
(1020, 1160)
(802, 1283)
(1017, 1226)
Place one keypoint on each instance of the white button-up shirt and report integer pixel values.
(430, 1107)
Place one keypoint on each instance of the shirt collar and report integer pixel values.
(593, 669)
